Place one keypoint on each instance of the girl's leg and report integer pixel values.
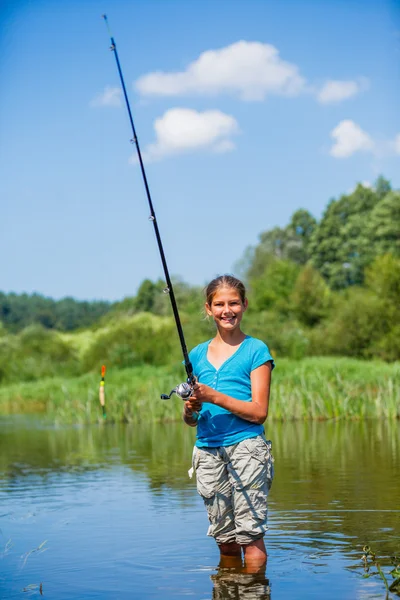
(215, 488)
(230, 549)
(250, 471)
(255, 554)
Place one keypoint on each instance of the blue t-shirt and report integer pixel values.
(217, 426)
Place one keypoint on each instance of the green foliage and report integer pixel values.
(353, 231)
(310, 297)
(364, 321)
(314, 388)
(382, 187)
(129, 341)
(273, 288)
(315, 288)
(285, 337)
(353, 329)
(299, 233)
(340, 248)
(383, 280)
(152, 297)
(331, 287)
(35, 353)
(190, 299)
(146, 295)
(20, 311)
(384, 225)
(290, 244)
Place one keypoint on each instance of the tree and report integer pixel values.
(339, 246)
(382, 187)
(146, 295)
(355, 327)
(310, 296)
(383, 278)
(288, 243)
(384, 225)
(299, 232)
(273, 289)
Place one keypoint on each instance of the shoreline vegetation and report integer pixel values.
(323, 294)
(318, 388)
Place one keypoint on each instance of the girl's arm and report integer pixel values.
(255, 411)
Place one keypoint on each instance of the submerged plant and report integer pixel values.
(33, 587)
(370, 560)
(7, 547)
(41, 548)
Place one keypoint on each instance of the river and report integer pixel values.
(109, 513)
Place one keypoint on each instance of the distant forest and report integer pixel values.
(327, 287)
(18, 311)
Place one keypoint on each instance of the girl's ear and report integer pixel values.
(208, 309)
(245, 304)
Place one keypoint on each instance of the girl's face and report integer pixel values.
(226, 308)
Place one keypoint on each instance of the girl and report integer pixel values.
(229, 405)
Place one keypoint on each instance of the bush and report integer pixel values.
(141, 339)
(35, 353)
(354, 328)
(284, 337)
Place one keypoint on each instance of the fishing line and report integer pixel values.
(183, 390)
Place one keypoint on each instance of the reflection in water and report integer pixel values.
(240, 582)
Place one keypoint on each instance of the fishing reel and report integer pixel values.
(183, 390)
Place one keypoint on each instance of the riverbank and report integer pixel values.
(312, 388)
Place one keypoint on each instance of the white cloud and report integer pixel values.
(349, 138)
(336, 91)
(250, 70)
(182, 130)
(397, 144)
(110, 96)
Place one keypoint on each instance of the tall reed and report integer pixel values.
(313, 388)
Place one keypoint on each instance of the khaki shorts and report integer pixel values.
(234, 482)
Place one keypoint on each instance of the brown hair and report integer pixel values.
(224, 281)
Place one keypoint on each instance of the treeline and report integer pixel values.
(315, 288)
(353, 231)
(331, 287)
(18, 311)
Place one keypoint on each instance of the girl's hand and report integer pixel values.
(202, 393)
(190, 406)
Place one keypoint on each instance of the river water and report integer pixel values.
(108, 512)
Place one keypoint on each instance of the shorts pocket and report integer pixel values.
(203, 463)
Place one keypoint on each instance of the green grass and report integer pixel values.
(312, 388)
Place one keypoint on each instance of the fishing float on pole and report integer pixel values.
(184, 390)
(102, 393)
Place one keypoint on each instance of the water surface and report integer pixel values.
(108, 512)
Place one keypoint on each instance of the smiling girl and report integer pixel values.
(232, 459)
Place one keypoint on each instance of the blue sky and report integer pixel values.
(245, 112)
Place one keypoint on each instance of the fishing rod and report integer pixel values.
(184, 390)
